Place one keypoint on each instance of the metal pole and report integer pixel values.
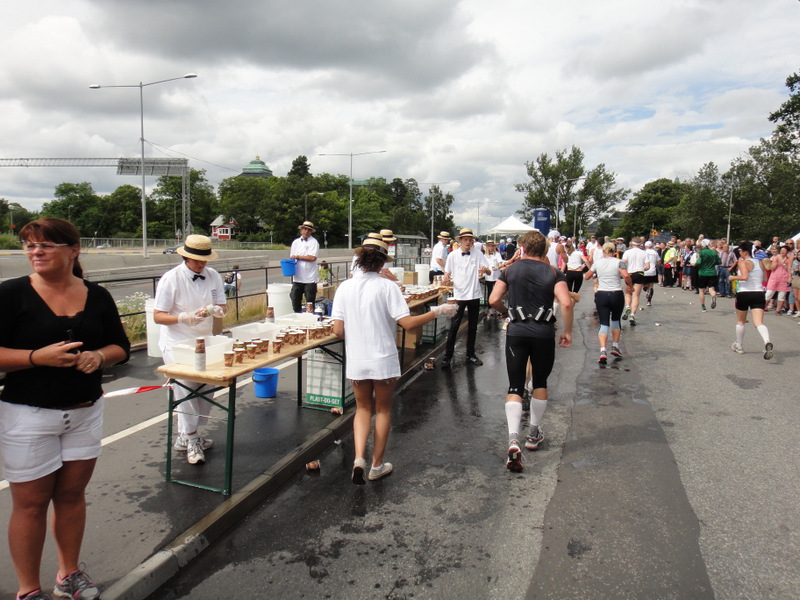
(350, 220)
(144, 195)
(730, 206)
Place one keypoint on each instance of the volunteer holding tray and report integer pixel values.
(186, 297)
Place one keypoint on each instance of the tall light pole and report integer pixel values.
(141, 86)
(350, 219)
(730, 207)
(563, 181)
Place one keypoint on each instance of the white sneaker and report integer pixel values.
(195, 454)
(381, 471)
(182, 443)
(737, 348)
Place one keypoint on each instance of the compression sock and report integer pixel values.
(739, 334)
(763, 332)
(513, 416)
(537, 410)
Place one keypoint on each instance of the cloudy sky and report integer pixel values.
(460, 92)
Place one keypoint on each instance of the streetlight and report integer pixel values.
(575, 220)
(305, 203)
(350, 219)
(559, 185)
(141, 86)
(730, 206)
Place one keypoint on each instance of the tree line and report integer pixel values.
(757, 197)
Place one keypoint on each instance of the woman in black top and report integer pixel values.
(57, 332)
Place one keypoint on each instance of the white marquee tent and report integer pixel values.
(511, 226)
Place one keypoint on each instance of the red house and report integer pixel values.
(222, 230)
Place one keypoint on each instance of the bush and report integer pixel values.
(9, 241)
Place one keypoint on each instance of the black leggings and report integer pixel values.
(542, 354)
(609, 306)
(574, 281)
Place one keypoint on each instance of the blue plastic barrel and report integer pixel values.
(541, 220)
(266, 380)
(288, 266)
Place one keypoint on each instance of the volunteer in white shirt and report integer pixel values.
(464, 268)
(439, 256)
(304, 283)
(183, 297)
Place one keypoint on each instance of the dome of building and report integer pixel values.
(256, 168)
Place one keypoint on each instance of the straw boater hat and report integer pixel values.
(444, 235)
(197, 247)
(307, 224)
(491, 243)
(374, 241)
(466, 232)
(388, 236)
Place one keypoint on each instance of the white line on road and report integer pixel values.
(158, 418)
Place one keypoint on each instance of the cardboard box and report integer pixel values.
(413, 337)
(326, 387)
(411, 278)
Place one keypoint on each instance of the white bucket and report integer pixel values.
(278, 298)
(423, 270)
(153, 330)
(397, 272)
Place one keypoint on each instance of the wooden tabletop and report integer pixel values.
(221, 376)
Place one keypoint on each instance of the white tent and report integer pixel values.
(512, 225)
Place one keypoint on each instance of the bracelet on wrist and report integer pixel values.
(102, 358)
(30, 359)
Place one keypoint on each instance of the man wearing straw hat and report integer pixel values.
(439, 255)
(304, 250)
(463, 268)
(182, 302)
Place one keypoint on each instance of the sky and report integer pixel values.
(456, 92)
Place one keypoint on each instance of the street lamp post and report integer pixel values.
(563, 181)
(730, 207)
(350, 217)
(141, 86)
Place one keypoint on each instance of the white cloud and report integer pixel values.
(455, 90)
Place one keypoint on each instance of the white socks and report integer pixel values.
(764, 332)
(514, 416)
(739, 334)
(537, 411)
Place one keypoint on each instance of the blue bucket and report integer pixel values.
(288, 266)
(266, 380)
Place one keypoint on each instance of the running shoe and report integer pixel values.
(737, 348)
(195, 454)
(603, 357)
(535, 437)
(474, 361)
(768, 350)
(35, 595)
(359, 467)
(514, 460)
(627, 313)
(649, 303)
(713, 302)
(381, 471)
(77, 586)
(633, 321)
(182, 443)
(702, 308)
(446, 362)
(616, 352)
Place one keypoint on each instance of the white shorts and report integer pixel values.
(781, 295)
(35, 442)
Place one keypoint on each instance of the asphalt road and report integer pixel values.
(672, 473)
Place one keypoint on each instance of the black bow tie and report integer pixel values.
(465, 254)
(198, 276)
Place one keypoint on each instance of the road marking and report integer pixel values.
(162, 417)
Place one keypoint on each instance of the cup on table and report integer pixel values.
(257, 343)
(239, 352)
(276, 346)
(264, 346)
(251, 350)
(229, 358)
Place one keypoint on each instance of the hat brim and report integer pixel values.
(466, 235)
(204, 257)
(306, 227)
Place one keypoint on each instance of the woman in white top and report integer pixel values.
(366, 311)
(750, 296)
(576, 262)
(609, 298)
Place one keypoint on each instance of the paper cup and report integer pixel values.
(276, 346)
(239, 352)
(229, 358)
(251, 350)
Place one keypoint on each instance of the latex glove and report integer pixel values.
(192, 318)
(219, 311)
(445, 310)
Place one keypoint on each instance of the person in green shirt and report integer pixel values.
(707, 261)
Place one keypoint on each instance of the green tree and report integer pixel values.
(300, 167)
(788, 115)
(14, 216)
(555, 184)
(652, 207)
(76, 202)
(167, 205)
(442, 210)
